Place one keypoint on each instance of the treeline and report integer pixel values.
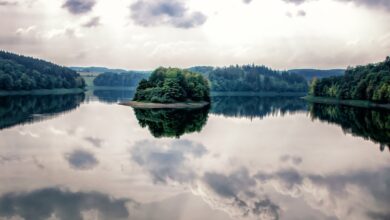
(370, 82)
(26, 73)
(310, 74)
(251, 78)
(130, 78)
(168, 85)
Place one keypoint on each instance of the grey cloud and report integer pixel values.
(165, 12)
(8, 3)
(297, 2)
(379, 215)
(44, 203)
(290, 158)
(301, 13)
(94, 22)
(79, 6)
(238, 186)
(266, 206)
(289, 178)
(97, 142)
(170, 163)
(377, 183)
(38, 163)
(385, 4)
(247, 1)
(81, 159)
(9, 159)
(229, 186)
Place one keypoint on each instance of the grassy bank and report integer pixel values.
(354, 103)
(42, 92)
(179, 105)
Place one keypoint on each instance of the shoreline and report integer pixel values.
(178, 105)
(353, 103)
(42, 92)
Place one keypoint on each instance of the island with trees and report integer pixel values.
(22, 73)
(172, 88)
(362, 85)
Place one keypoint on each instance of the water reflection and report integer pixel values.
(371, 124)
(16, 110)
(62, 204)
(256, 106)
(172, 122)
(97, 162)
(113, 96)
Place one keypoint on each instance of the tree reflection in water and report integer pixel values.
(172, 122)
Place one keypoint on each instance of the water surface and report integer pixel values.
(86, 157)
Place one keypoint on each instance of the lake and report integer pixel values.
(83, 156)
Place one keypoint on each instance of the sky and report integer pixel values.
(145, 34)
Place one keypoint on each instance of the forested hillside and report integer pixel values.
(251, 78)
(370, 82)
(130, 79)
(310, 74)
(94, 69)
(26, 73)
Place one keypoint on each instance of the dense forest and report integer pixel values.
(310, 74)
(130, 79)
(169, 85)
(251, 78)
(204, 70)
(172, 122)
(370, 82)
(16, 110)
(26, 73)
(371, 124)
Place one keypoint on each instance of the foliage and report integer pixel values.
(370, 124)
(256, 106)
(255, 79)
(119, 79)
(370, 82)
(172, 122)
(310, 74)
(16, 110)
(204, 70)
(26, 73)
(169, 85)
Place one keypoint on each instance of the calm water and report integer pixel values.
(86, 157)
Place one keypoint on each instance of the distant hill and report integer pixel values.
(251, 78)
(19, 72)
(128, 79)
(94, 69)
(309, 74)
(204, 70)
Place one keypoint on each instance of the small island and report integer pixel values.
(172, 88)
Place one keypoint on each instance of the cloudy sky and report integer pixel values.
(144, 34)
